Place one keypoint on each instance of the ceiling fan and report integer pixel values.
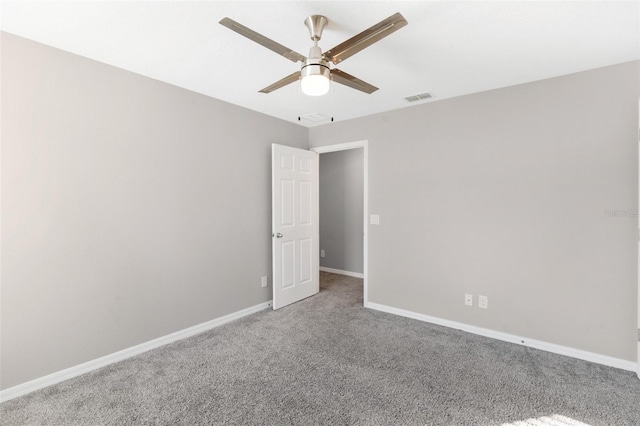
(316, 72)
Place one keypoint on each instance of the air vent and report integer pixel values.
(419, 97)
(315, 117)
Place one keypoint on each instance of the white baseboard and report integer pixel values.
(524, 341)
(341, 272)
(86, 367)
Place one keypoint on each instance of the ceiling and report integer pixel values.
(449, 48)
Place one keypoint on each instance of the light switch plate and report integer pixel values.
(374, 219)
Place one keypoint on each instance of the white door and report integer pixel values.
(295, 225)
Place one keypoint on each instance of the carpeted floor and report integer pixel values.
(327, 360)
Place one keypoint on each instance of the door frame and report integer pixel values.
(364, 144)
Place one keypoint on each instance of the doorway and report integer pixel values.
(351, 258)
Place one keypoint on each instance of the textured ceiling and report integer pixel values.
(449, 48)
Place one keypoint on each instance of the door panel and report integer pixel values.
(306, 263)
(287, 188)
(287, 250)
(295, 224)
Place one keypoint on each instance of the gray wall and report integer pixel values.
(527, 195)
(341, 209)
(119, 194)
(131, 209)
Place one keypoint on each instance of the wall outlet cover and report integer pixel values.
(483, 302)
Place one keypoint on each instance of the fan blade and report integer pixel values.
(365, 39)
(281, 83)
(351, 81)
(262, 40)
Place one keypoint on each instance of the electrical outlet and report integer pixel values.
(468, 299)
(321, 253)
(264, 281)
(483, 302)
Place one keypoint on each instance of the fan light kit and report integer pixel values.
(316, 74)
(315, 80)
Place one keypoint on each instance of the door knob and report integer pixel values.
(279, 235)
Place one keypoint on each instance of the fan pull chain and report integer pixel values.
(332, 102)
(299, 99)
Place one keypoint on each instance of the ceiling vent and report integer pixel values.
(419, 97)
(315, 117)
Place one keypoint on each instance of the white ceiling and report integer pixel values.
(449, 48)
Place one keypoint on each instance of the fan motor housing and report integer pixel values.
(314, 66)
